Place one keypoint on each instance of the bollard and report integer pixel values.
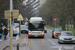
(18, 46)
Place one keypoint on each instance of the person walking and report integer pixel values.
(5, 33)
(1, 32)
(1, 24)
(23, 23)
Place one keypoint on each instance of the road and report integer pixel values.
(47, 43)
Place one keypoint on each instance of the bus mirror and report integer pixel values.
(44, 23)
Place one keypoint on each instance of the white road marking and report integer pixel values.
(53, 43)
(0, 40)
(49, 40)
(59, 48)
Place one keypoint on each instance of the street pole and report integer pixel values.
(11, 4)
(20, 19)
(11, 31)
(20, 30)
(55, 24)
(11, 8)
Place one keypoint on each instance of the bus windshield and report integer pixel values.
(36, 26)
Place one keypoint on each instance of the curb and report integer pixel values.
(5, 47)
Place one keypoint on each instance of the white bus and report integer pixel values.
(36, 27)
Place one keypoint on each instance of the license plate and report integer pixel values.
(36, 36)
(23, 31)
(67, 40)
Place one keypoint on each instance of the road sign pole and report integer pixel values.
(11, 31)
(55, 21)
(11, 14)
(20, 30)
(11, 8)
(55, 24)
(20, 19)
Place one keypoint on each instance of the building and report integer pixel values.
(34, 7)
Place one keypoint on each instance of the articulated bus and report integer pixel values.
(36, 27)
(16, 28)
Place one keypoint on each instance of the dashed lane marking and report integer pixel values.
(54, 43)
(59, 49)
(49, 40)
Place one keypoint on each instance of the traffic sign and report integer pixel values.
(26, 19)
(11, 14)
(15, 13)
(20, 18)
(55, 19)
(8, 14)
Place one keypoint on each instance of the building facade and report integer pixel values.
(34, 7)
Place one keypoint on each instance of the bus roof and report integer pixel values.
(36, 19)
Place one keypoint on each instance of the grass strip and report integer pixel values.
(71, 29)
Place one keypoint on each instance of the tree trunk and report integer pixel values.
(50, 21)
(74, 25)
(63, 24)
(67, 25)
(71, 23)
(47, 21)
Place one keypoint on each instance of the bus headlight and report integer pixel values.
(42, 32)
(29, 33)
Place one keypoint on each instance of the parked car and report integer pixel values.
(56, 32)
(66, 37)
(24, 29)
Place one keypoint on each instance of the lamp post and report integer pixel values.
(11, 8)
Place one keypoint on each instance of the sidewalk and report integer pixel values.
(22, 44)
(21, 47)
(3, 43)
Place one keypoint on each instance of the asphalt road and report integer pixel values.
(46, 43)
